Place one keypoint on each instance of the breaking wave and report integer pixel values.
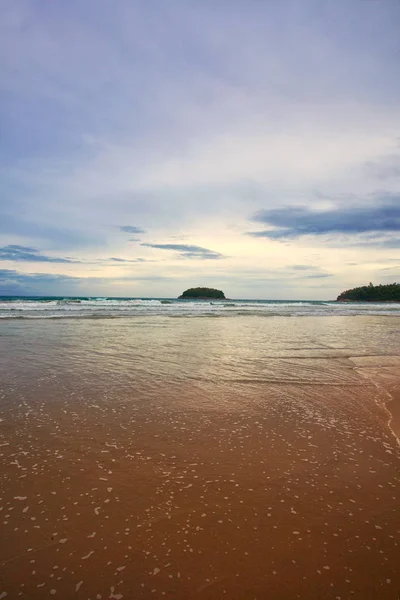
(110, 307)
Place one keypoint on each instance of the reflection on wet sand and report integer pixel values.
(274, 478)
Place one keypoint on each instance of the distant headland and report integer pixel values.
(203, 293)
(372, 293)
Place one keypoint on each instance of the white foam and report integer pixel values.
(125, 307)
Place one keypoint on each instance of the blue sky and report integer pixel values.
(147, 147)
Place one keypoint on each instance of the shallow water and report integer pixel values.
(152, 457)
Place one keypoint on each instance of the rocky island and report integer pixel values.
(202, 293)
(372, 293)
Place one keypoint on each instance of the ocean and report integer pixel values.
(183, 449)
(79, 307)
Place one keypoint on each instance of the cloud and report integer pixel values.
(132, 229)
(294, 222)
(13, 275)
(127, 260)
(317, 275)
(189, 251)
(242, 106)
(395, 268)
(300, 272)
(389, 243)
(384, 168)
(14, 252)
(305, 272)
(39, 227)
(300, 267)
(362, 241)
(13, 282)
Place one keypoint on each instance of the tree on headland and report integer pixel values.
(372, 293)
(203, 292)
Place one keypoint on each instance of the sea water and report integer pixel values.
(75, 307)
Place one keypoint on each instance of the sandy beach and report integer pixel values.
(200, 300)
(240, 472)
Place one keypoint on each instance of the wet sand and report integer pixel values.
(384, 372)
(280, 489)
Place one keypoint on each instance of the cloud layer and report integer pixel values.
(14, 282)
(292, 221)
(144, 149)
(14, 252)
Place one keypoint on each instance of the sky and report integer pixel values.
(247, 145)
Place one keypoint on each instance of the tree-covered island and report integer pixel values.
(203, 293)
(372, 293)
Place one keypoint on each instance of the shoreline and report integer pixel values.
(383, 371)
(155, 315)
(393, 408)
